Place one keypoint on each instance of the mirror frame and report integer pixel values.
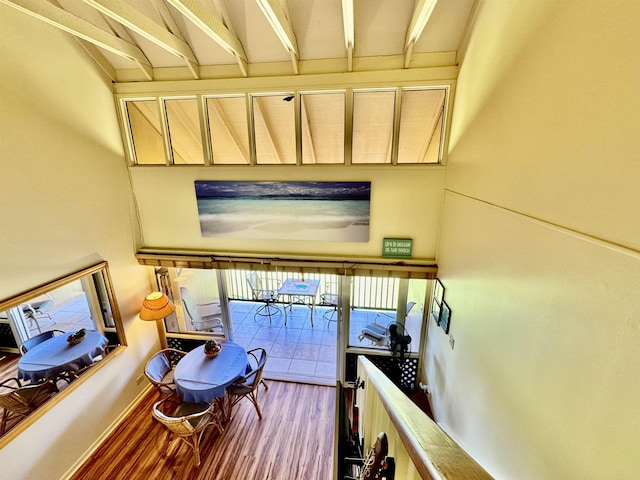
(14, 301)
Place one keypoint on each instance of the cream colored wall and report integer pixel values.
(406, 202)
(66, 203)
(539, 250)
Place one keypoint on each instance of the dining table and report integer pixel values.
(199, 378)
(56, 356)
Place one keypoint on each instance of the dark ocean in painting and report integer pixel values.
(324, 211)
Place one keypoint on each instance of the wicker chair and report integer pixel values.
(159, 369)
(187, 421)
(247, 386)
(20, 401)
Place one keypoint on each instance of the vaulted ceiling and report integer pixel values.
(147, 40)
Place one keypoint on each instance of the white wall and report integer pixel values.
(539, 250)
(406, 202)
(65, 203)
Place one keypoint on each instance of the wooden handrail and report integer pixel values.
(433, 453)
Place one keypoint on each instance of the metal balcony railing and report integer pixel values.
(375, 293)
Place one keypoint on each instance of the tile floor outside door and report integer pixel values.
(296, 351)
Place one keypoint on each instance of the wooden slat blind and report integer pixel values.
(415, 269)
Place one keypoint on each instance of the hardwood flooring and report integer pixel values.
(293, 441)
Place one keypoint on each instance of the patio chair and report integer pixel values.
(187, 421)
(34, 312)
(392, 316)
(38, 339)
(330, 299)
(247, 386)
(205, 317)
(377, 333)
(160, 367)
(19, 401)
(263, 295)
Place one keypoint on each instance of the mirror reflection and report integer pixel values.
(50, 337)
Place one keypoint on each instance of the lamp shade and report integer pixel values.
(156, 306)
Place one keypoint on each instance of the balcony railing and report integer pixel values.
(366, 292)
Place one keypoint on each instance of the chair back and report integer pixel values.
(258, 357)
(159, 368)
(189, 307)
(21, 401)
(188, 421)
(37, 340)
(254, 283)
(180, 425)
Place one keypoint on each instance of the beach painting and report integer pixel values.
(314, 211)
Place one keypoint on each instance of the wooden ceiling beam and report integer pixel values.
(197, 13)
(419, 19)
(278, 18)
(147, 28)
(59, 18)
(349, 31)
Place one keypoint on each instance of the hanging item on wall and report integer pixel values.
(436, 302)
(445, 317)
(314, 211)
(397, 247)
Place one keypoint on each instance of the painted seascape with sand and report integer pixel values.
(320, 211)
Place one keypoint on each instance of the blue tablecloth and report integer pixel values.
(54, 356)
(202, 379)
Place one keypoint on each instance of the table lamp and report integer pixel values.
(156, 306)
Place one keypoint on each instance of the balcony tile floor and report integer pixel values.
(297, 351)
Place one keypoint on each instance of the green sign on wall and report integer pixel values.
(397, 247)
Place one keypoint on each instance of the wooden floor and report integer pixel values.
(293, 441)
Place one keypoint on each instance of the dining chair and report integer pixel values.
(19, 401)
(205, 317)
(247, 386)
(38, 339)
(187, 421)
(159, 369)
(263, 295)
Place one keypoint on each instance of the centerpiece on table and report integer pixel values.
(212, 348)
(77, 337)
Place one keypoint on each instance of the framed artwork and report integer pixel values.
(435, 310)
(445, 317)
(438, 291)
(317, 211)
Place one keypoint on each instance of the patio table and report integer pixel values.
(55, 356)
(298, 291)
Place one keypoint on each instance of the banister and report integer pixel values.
(433, 453)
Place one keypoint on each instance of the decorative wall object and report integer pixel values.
(436, 302)
(445, 317)
(435, 310)
(438, 291)
(313, 211)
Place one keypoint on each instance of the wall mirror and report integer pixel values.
(32, 323)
